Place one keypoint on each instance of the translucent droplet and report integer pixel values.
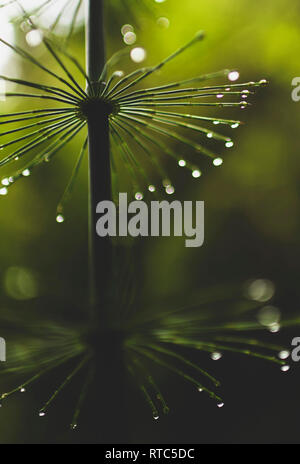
(182, 163)
(73, 426)
(129, 38)
(209, 135)
(155, 416)
(119, 73)
(26, 173)
(220, 95)
(235, 125)
(269, 316)
(220, 405)
(229, 144)
(170, 189)
(163, 22)
(261, 290)
(274, 328)
(11, 179)
(196, 173)
(5, 181)
(263, 81)
(16, 158)
(200, 389)
(151, 188)
(217, 161)
(34, 38)
(138, 54)
(60, 218)
(216, 122)
(42, 413)
(126, 28)
(22, 390)
(285, 368)
(3, 191)
(216, 355)
(284, 354)
(233, 75)
(138, 196)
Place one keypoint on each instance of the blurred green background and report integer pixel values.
(252, 223)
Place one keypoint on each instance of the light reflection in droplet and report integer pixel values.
(151, 188)
(217, 161)
(3, 191)
(283, 354)
(60, 218)
(170, 189)
(182, 163)
(34, 38)
(26, 173)
(216, 355)
(233, 76)
(196, 173)
(285, 368)
(138, 54)
(138, 196)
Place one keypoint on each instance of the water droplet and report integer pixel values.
(216, 355)
(235, 125)
(22, 390)
(263, 81)
(216, 122)
(220, 95)
(42, 413)
(261, 290)
(126, 28)
(196, 173)
(138, 196)
(138, 54)
(284, 354)
(229, 144)
(182, 163)
(16, 158)
(200, 389)
(285, 368)
(274, 328)
(129, 38)
(209, 135)
(233, 75)
(163, 22)
(151, 188)
(269, 316)
(220, 405)
(60, 218)
(5, 181)
(118, 74)
(3, 191)
(217, 161)
(73, 426)
(170, 189)
(26, 173)
(155, 416)
(34, 38)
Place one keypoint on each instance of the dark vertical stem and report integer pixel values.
(105, 423)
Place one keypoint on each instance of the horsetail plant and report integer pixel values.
(124, 123)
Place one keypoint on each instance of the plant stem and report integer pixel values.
(106, 425)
